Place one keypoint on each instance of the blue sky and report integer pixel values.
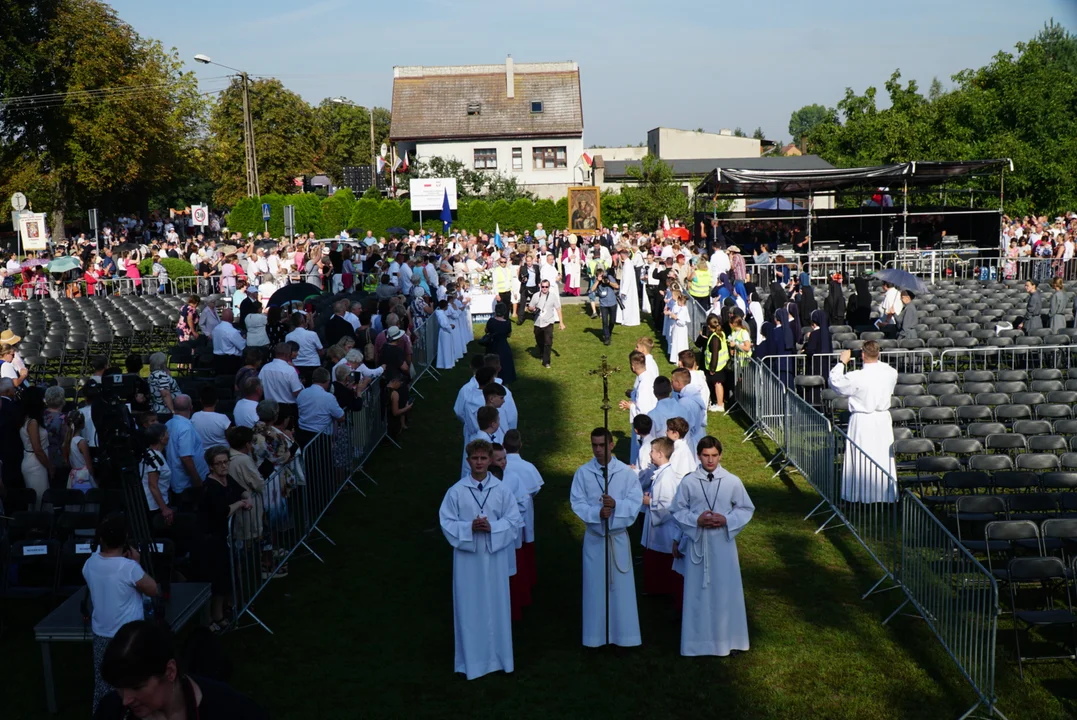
(685, 64)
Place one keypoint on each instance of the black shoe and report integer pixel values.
(606, 341)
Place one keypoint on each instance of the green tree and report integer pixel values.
(807, 118)
(1020, 106)
(654, 194)
(738, 132)
(758, 134)
(286, 139)
(114, 118)
(344, 131)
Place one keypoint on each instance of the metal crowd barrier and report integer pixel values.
(904, 361)
(1014, 357)
(946, 585)
(424, 351)
(864, 497)
(809, 448)
(955, 595)
(291, 503)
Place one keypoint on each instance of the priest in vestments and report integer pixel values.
(480, 519)
(628, 315)
(619, 508)
(711, 507)
(871, 429)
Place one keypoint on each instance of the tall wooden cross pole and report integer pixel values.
(604, 370)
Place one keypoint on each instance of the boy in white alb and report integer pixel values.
(659, 528)
(531, 481)
(682, 460)
(480, 519)
(711, 507)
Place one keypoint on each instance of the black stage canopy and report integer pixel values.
(770, 183)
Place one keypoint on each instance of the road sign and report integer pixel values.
(200, 215)
(93, 220)
(289, 220)
(18, 202)
(265, 212)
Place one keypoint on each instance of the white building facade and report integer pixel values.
(522, 120)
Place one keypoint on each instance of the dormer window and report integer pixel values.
(474, 108)
(536, 107)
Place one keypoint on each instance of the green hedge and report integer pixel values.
(176, 268)
(327, 217)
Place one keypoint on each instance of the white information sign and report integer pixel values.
(34, 232)
(428, 194)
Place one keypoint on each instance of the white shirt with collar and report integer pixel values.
(309, 345)
(280, 381)
(353, 319)
(227, 340)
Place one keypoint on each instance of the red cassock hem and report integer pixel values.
(531, 568)
(658, 575)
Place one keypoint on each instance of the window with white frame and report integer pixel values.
(517, 158)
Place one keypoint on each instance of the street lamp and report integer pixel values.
(250, 156)
(373, 154)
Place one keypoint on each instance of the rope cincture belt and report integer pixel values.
(613, 551)
(703, 557)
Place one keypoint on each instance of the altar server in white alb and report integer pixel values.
(870, 427)
(620, 507)
(446, 346)
(641, 399)
(711, 507)
(480, 519)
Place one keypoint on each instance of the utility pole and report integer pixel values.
(249, 154)
(248, 140)
(373, 152)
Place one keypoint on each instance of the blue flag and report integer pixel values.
(497, 237)
(446, 213)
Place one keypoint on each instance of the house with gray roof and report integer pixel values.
(523, 120)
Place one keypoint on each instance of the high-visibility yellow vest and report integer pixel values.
(700, 286)
(370, 282)
(502, 279)
(723, 352)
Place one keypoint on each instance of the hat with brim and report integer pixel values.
(9, 338)
(732, 248)
(252, 289)
(394, 333)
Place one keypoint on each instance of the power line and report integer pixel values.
(95, 94)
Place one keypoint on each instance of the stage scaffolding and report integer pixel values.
(909, 177)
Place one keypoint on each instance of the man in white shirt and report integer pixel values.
(310, 347)
(246, 409)
(280, 381)
(547, 308)
(228, 346)
(352, 314)
(208, 423)
(259, 266)
(318, 409)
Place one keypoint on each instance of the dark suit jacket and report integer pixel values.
(336, 328)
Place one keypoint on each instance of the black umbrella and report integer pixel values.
(126, 247)
(397, 231)
(294, 292)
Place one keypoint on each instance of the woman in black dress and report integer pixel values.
(498, 329)
(223, 497)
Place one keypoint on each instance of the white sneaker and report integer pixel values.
(713, 408)
(720, 408)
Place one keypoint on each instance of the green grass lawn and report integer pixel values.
(369, 634)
